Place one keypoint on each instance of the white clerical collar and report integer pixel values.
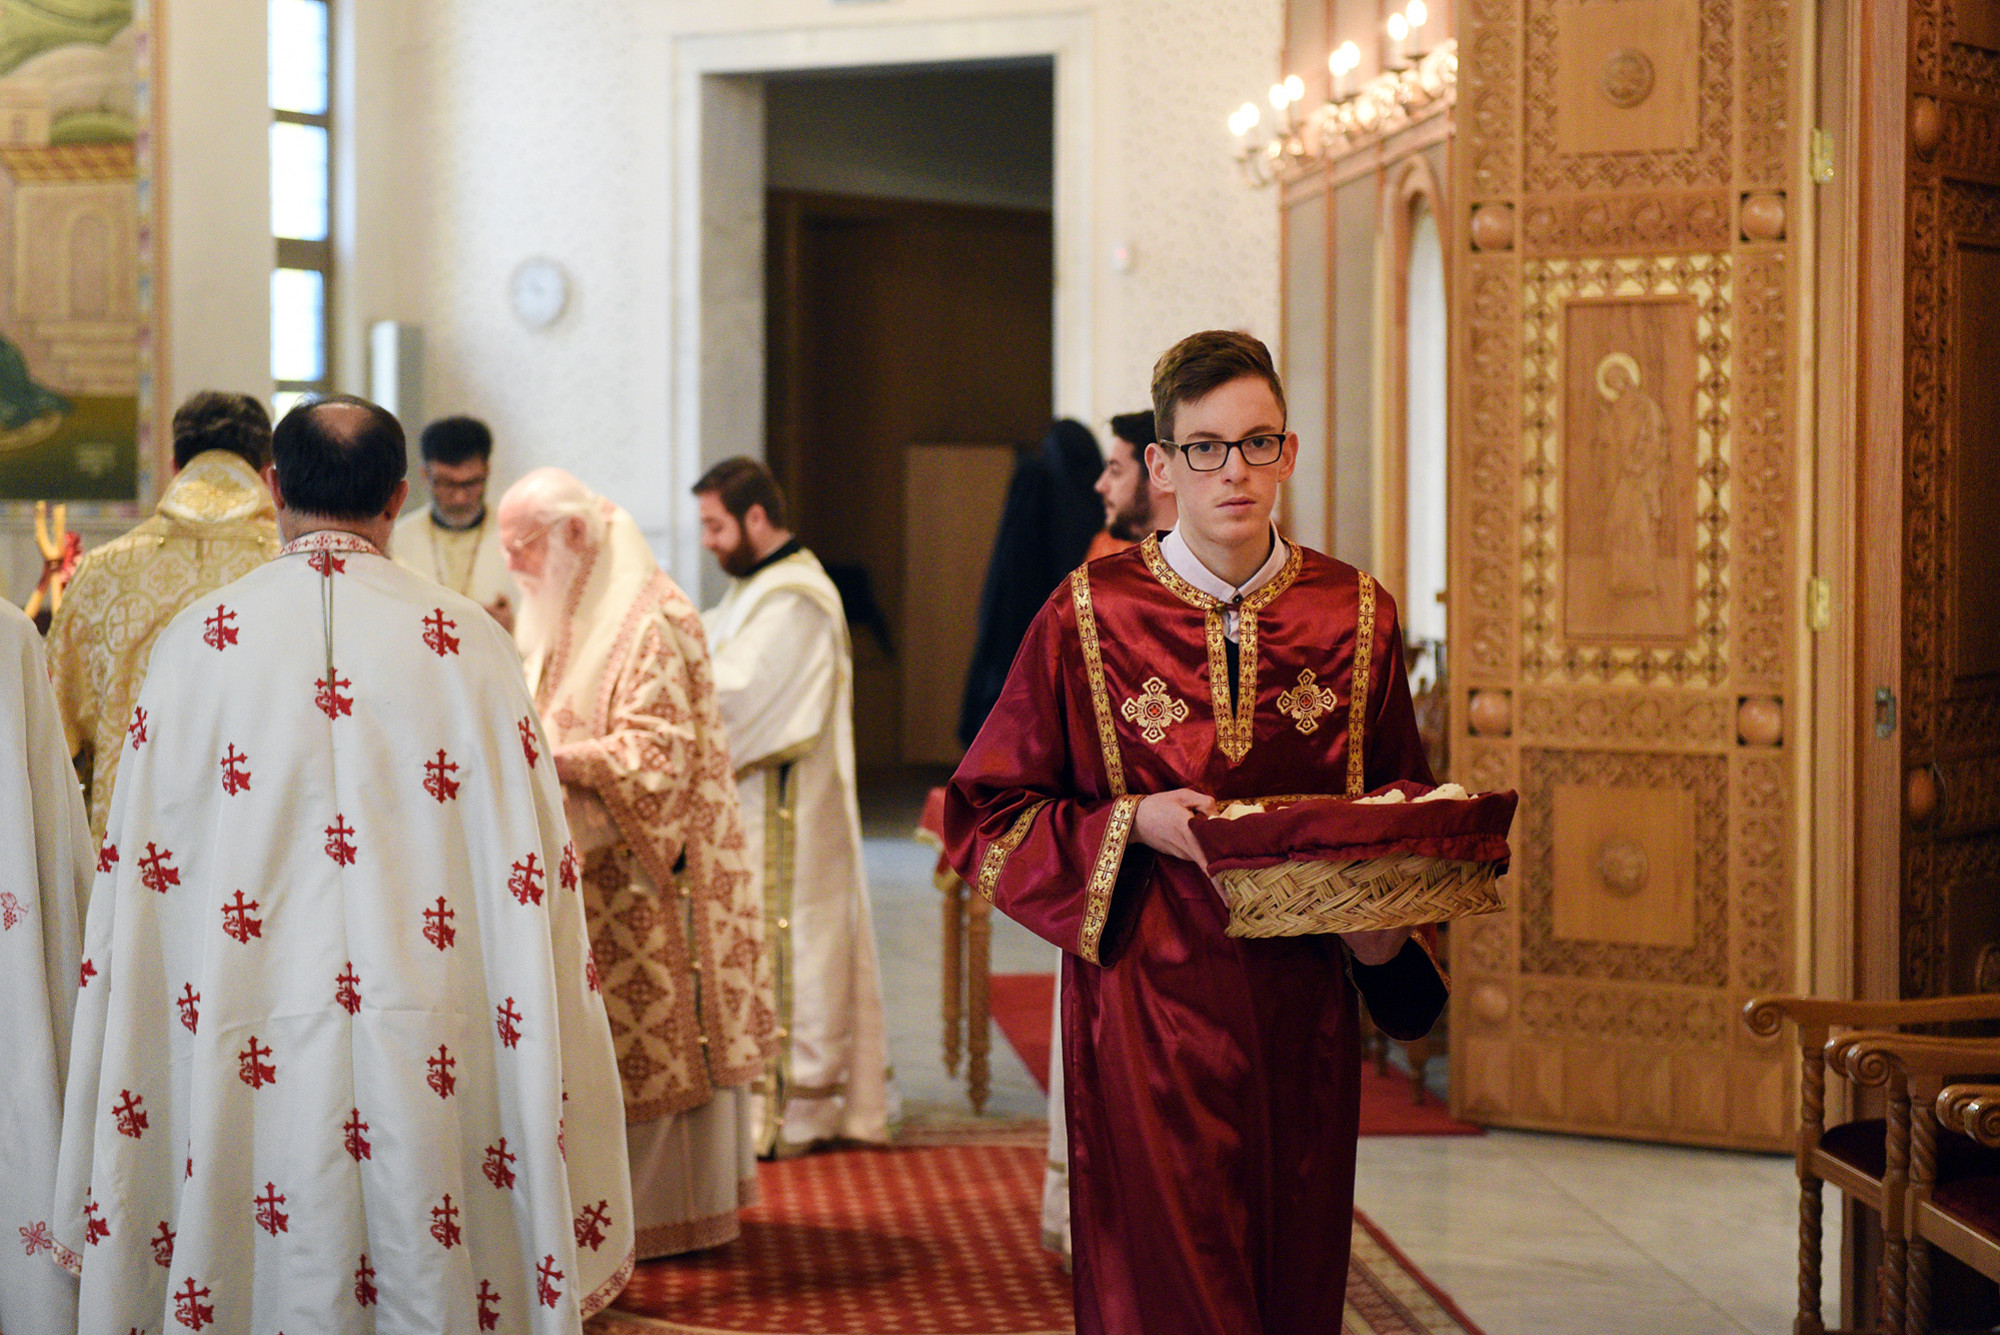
(1182, 561)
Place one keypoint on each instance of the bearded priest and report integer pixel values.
(1211, 1085)
(44, 879)
(620, 671)
(784, 675)
(340, 1062)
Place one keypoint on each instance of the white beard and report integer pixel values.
(545, 598)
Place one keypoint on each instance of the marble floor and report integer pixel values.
(1531, 1234)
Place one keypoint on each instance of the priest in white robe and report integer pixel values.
(340, 1061)
(784, 676)
(45, 871)
(620, 673)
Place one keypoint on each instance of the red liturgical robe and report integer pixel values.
(1211, 1083)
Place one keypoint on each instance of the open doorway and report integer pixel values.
(910, 289)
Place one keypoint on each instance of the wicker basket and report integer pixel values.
(1311, 898)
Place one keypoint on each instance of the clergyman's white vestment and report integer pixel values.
(784, 677)
(45, 868)
(340, 1061)
(440, 554)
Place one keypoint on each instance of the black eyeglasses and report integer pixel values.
(1206, 456)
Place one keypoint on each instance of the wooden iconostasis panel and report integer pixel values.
(1625, 567)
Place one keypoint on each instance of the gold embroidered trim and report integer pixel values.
(1093, 662)
(780, 838)
(1305, 702)
(1003, 848)
(1357, 705)
(1235, 728)
(1154, 710)
(1104, 877)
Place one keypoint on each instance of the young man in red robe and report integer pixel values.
(1211, 1083)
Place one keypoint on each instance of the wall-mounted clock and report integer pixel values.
(539, 290)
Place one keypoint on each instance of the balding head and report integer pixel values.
(544, 497)
(339, 458)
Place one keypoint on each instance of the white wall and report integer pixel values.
(527, 127)
(216, 176)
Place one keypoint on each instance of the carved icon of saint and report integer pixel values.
(1632, 443)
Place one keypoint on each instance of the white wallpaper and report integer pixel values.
(545, 127)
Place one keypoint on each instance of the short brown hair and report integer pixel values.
(214, 419)
(740, 483)
(1202, 363)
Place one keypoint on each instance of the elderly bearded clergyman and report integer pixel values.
(619, 669)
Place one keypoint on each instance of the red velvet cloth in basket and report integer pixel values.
(1337, 829)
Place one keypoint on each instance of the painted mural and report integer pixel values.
(71, 326)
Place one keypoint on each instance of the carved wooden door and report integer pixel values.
(1625, 579)
(1950, 679)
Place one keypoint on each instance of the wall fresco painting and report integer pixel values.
(72, 328)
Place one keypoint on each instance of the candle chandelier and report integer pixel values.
(1298, 138)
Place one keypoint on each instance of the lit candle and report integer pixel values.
(1399, 32)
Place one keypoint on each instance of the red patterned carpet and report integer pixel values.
(929, 1239)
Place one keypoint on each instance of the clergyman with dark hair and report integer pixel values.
(784, 679)
(337, 983)
(456, 539)
(213, 524)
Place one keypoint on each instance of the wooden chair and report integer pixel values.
(1866, 1158)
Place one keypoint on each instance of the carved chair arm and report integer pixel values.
(1971, 1109)
(1859, 1055)
(1766, 1015)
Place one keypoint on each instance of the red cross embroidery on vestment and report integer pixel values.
(237, 922)
(339, 843)
(437, 777)
(347, 990)
(107, 857)
(489, 1316)
(509, 1022)
(327, 563)
(498, 1157)
(527, 729)
(95, 1230)
(218, 634)
(235, 778)
(130, 1114)
(364, 1283)
(189, 1002)
(157, 870)
(590, 968)
(546, 1275)
(435, 639)
(36, 1237)
(526, 882)
(163, 1247)
(444, 1223)
(252, 1069)
(85, 974)
(135, 731)
(11, 911)
(354, 1142)
(437, 925)
(327, 694)
(566, 869)
(269, 1217)
(590, 1225)
(189, 1309)
(441, 1078)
